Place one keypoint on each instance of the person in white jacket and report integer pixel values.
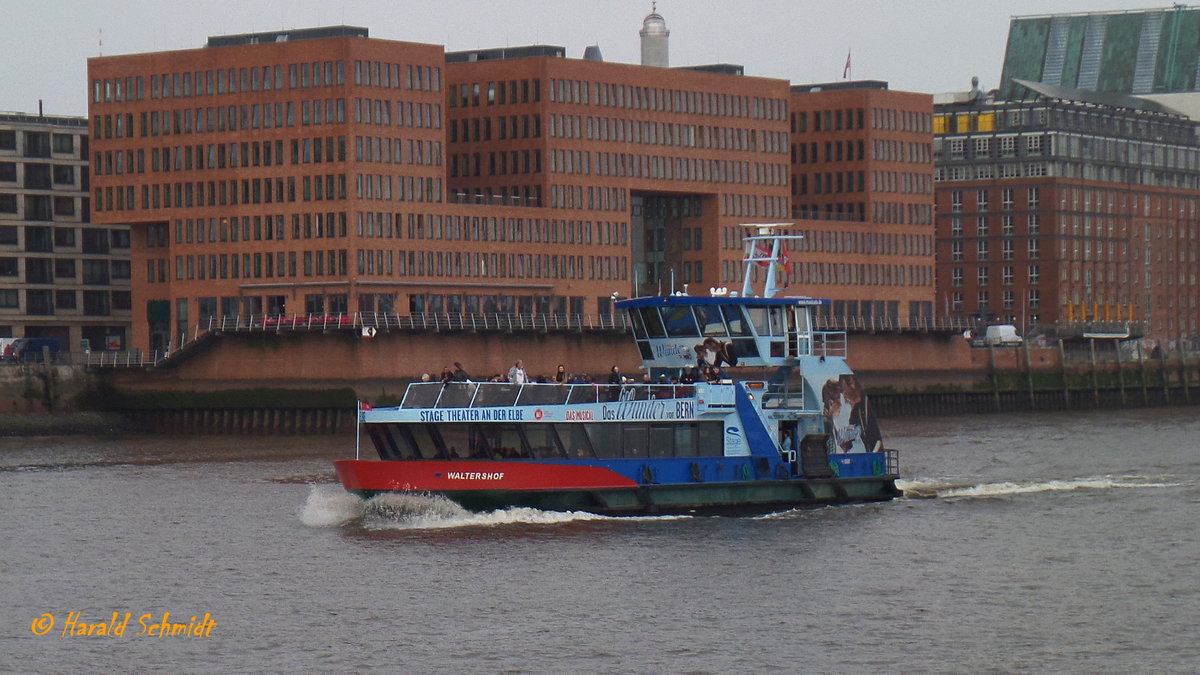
(516, 374)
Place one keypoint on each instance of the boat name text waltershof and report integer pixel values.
(474, 475)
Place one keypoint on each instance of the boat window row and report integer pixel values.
(584, 441)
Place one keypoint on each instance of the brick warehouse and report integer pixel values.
(322, 171)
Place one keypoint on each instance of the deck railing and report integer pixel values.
(506, 394)
(385, 321)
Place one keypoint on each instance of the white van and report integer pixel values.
(1003, 335)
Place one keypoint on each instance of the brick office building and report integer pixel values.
(862, 194)
(670, 163)
(321, 171)
(303, 172)
(60, 275)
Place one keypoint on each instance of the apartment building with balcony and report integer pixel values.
(61, 275)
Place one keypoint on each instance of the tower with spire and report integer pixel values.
(654, 35)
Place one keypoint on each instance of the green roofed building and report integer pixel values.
(1141, 52)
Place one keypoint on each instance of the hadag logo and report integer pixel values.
(733, 431)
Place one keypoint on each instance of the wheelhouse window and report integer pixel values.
(653, 322)
(679, 322)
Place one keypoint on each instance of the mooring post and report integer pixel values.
(1095, 378)
(1120, 373)
(1162, 369)
(1029, 376)
(1183, 375)
(1062, 371)
(1142, 374)
(995, 378)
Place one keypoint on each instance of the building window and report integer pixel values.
(956, 276)
(1007, 275)
(981, 275)
(981, 227)
(1034, 249)
(956, 251)
(1035, 299)
(1035, 275)
(1008, 298)
(64, 299)
(1006, 249)
(981, 251)
(981, 200)
(64, 143)
(956, 202)
(956, 226)
(96, 303)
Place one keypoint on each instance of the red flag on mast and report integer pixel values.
(762, 253)
(846, 70)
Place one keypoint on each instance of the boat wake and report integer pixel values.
(331, 506)
(933, 489)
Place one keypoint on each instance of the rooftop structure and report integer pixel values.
(655, 36)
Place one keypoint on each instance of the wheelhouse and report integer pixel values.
(677, 330)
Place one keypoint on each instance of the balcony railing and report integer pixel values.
(890, 324)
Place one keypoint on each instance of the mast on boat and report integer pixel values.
(764, 246)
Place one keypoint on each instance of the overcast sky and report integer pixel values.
(916, 45)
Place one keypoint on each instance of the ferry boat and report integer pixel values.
(782, 423)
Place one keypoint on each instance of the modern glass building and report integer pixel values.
(1153, 51)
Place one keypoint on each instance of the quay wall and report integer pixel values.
(307, 383)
